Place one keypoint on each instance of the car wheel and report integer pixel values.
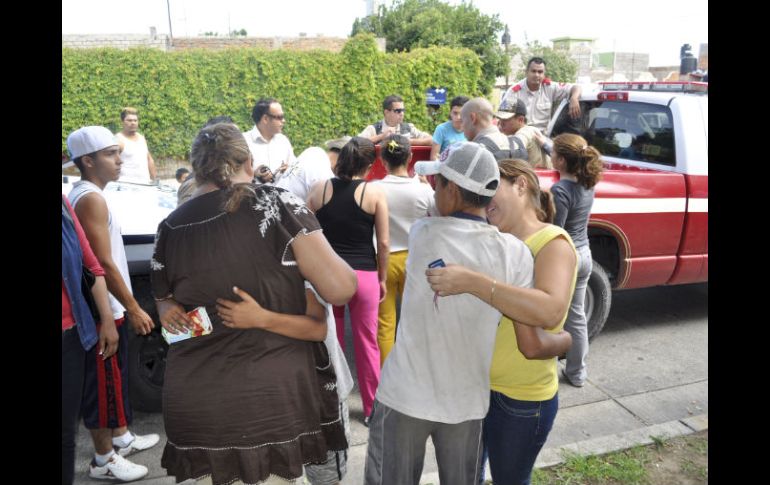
(598, 300)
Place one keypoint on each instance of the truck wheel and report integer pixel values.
(146, 367)
(598, 300)
(146, 354)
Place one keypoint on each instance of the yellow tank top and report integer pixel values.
(511, 373)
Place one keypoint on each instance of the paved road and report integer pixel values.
(648, 376)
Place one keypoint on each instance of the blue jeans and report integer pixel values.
(514, 433)
(576, 323)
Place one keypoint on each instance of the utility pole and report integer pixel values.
(506, 40)
(170, 33)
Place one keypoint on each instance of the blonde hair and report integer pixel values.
(583, 161)
(218, 151)
(128, 111)
(541, 200)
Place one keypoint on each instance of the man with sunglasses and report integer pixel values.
(393, 122)
(270, 148)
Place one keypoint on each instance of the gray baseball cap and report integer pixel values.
(469, 165)
(509, 109)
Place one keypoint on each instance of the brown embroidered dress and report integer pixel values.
(242, 404)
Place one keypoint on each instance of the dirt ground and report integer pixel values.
(681, 461)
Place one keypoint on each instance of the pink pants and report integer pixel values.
(363, 320)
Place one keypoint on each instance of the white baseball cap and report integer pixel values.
(468, 164)
(89, 139)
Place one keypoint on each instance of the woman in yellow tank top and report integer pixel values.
(524, 395)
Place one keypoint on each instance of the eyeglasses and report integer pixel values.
(276, 117)
(398, 110)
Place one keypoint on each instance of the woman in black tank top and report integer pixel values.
(350, 212)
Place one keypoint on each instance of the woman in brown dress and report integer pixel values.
(245, 404)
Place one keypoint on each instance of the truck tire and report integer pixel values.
(598, 300)
(146, 368)
(146, 354)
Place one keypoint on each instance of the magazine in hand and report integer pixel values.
(202, 324)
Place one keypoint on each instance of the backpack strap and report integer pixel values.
(518, 150)
(493, 148)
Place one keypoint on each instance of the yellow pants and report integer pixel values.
(386, 328)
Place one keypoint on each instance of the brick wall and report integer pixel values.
(126, 41)
(118, 41)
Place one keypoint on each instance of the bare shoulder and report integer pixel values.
(92, 207)
(557, 249)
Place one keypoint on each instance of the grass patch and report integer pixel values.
(677, 461)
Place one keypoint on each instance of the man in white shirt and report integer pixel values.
(540, 93)
(435, 382)
(138, 164)
(270, 148)
(311, 166)
(393, 122)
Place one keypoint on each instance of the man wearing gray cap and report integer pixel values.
(521, 137)
(435, 381)
(105, 407)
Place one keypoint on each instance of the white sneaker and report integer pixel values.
(139, 443)
(117, 468)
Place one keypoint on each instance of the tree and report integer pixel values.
(409, 24)
(559, 66)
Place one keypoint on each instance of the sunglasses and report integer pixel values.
(398, 110)
(276, 117)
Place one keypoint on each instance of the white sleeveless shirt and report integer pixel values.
(134, 156)
(118, 251)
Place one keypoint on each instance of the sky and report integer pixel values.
(656, 27)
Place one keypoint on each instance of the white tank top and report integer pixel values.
(134, 156)
(118, 251)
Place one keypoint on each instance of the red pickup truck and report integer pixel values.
(649, 221)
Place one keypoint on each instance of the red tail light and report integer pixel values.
(614, 96)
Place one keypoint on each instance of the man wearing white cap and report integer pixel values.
(435, 381)
(105, 407)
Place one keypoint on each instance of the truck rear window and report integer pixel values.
(634, 131)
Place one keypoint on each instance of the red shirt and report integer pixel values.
(90, 261)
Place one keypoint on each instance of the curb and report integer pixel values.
(606, 444)
(622, 441)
